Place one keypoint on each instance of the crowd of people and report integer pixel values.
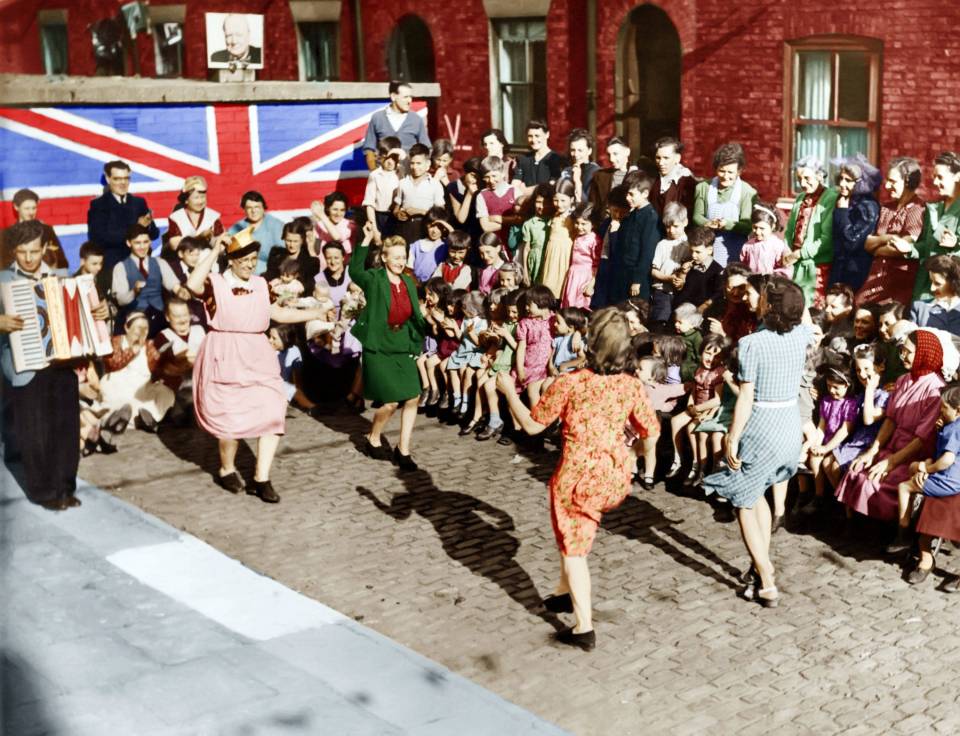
(652, 323)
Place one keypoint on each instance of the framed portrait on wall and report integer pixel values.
(234, 41)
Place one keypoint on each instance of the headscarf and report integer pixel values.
(928, 357)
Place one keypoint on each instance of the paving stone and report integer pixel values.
(473, 526)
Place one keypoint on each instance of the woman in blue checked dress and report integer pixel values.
(763, 445)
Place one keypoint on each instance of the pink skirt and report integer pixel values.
(577, 279)
(237, 389)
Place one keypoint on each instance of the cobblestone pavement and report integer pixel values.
(452, 560)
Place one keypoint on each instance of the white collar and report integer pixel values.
(679, 171)
(40, 273)
(120, 198)
(233, 280)
(948, 304)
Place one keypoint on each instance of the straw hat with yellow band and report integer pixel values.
(242, 243)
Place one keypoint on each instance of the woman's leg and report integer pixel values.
(755, 528)
(408, 416)
(380, 418)
(228, 456)
(563, 585)
(649, 445)
(266, 448)
(779, 501)
(578, 578)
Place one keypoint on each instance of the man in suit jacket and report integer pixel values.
(111, 215)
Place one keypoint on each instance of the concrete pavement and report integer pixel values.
(114, 622)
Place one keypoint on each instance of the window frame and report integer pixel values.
(497, 86)
(835, 45)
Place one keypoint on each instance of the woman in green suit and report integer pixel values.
(810, 230)
(391, 330)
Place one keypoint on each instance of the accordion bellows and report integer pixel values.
(58, 321)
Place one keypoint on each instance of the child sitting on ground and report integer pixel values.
(465, 361)
(687, 321)
(435, 292)
(704, 398)
(838, 412)
(932, 477)
(291, 361)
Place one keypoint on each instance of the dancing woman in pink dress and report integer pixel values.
(237, 388)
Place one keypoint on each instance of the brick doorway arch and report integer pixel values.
(647, 82)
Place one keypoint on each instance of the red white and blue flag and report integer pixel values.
(292, 153)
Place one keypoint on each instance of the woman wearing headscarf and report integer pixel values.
(238, 392)
(854, 218)
(907, 433)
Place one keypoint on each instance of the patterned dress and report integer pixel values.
(594, 473)
(539, 344)
(771, 441)
(913, 408)
(892, 277)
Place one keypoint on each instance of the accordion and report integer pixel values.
(58, 321)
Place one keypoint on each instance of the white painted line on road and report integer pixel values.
(197, 575)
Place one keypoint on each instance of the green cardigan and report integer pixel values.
(936, 221)
(817, 247)
(371, 325)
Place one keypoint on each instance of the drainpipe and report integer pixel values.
(592, 67)
(361, 57)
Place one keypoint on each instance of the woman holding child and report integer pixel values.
(237, 388)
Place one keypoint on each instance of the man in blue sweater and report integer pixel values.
(395, 119)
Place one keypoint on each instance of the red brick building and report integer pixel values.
(881, 76)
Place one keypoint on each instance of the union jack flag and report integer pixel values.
(291, 153)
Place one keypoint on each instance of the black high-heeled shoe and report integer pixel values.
(404, 462)
(587, 641)
(469, 428)
(558, 603)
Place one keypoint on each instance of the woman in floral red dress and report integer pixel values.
(594, 474)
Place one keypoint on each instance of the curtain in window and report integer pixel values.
(814, 97)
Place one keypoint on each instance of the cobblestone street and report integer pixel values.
(452, 560)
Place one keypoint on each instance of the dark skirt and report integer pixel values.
(390, 377)
(940, 517)
(410, 230)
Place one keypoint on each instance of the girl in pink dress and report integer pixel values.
(584, 260)
(237, 388)
(534, 340)
(595, 471)
(765, 250)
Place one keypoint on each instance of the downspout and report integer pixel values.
(592, 67)
(361, 57)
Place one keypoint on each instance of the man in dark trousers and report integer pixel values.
(111, 215)
(44, 404)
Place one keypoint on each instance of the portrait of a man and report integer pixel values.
(234, 39)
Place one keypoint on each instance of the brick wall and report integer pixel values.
(732, 82)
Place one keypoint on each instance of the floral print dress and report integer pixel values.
(595, 471)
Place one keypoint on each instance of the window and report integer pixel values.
(168, 49)
(53, 40)
(410, 51)
(833, 84)
(167, 25)
(318, 51)
(519, 76)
